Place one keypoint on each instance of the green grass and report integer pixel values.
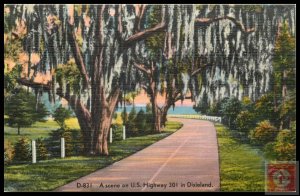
(50, 174)
(39, 129)
(241, 166)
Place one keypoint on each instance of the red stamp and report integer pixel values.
(281, 177)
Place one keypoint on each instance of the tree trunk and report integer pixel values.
(284, 93)
(165, 110)
(157, 116)
(156, 113)
(107, 111)
(18, 130)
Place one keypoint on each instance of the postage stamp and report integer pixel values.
(281, 177)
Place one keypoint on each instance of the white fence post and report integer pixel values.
(33, 151)
(110, 135)
(62, 147)
(124, 133)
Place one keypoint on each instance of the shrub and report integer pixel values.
(140, 121)
(60, 115)
(73, 142)
(53, 142)
(284, 148)
(117, 132)
(130, 125)
(41, 150)
(8, 153)
(263, 133)
(124, 116)
(67, 134)
(264, 109)
(247, 104)
(230, 108)
(118, 120)
(149, 118)
(22, 150)
(77, 141)
(245, 121)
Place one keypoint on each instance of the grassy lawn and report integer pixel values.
(241, 166)
(39, 129)
(50, 174)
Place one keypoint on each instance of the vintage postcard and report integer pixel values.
(150, 97)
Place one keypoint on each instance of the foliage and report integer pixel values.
(203, 105)
(21, 110)
(264, 109)
(230, 109)
(284, 57)
(247, 104)
(252, 8)
(263, 133)
(53, 142)
(245, 121)
(41, 150)
(124, 116)
(60, 115)
(73, 142)
(10, 79)
(68, 74)
(117, 132)
(118, 120)
(141, 121)
(13, 49)
(287, 110)
(8, 153)
(155, 43)
(22, 150)
(284, 64)
(130, 125)
(284, 147)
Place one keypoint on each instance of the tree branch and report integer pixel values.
(138, 18)
(76, 104)
(142, 68)
(144, 34)
(78, 55)
(32, 84)
(196, 71)
(236, 22)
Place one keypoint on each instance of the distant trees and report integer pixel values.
(23, 110)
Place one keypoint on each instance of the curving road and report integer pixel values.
(185, 161)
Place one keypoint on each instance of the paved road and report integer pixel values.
(185, 161)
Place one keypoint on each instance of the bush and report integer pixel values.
(22, 150)
(117, 132)
(284, 148)
(264, 109)
(60, 115)
(245, 121)
(73, 142)
(263, 133)
(230, 108)
(141, 121)
(8, 153)
(53, 142)
(131, 128)
(41, 150)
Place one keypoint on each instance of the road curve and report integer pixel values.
(187, 160)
